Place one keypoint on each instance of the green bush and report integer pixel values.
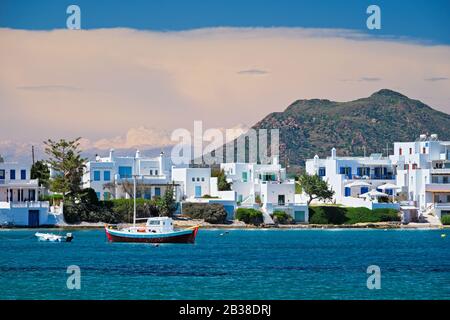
(282, 217)
(445, 219)
(250, 216)
(213, 213)
(342, 215)
(86, 207)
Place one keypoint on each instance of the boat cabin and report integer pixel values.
(159, 224)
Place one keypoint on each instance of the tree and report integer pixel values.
(222, 183)
(167, 204)
(315, 187)
(65, 159)
(39, 170)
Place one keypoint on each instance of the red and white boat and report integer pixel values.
(156, 230)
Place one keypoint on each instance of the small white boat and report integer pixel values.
(54, 237)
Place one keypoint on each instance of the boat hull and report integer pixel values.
(184, 236)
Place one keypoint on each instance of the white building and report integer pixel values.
(112, 177)
(265, 186)
(350, 177)
(19, 199)
(196, 185)
(423, 172)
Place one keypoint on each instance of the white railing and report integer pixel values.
(29, 204)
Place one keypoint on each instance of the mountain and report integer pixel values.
(309, 127)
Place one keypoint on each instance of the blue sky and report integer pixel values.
(419, 19)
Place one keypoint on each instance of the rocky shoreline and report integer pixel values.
(185, 223)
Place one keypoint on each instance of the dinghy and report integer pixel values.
(54, 237)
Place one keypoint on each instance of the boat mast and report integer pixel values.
(134, 200)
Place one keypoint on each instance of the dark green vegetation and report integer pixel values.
(250, 216)
(445, 219)
(309, 127)
(40, 170)
(282, 217)
(86, 207)
(65, 158)
(342, 215)
(315, 187)
(211, 212)
(222, 184)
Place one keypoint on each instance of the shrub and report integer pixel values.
(250, 216)
(445, 219)
(210, 212)
(282, 217)
(341, 215)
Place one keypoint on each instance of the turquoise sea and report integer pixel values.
(243, 264)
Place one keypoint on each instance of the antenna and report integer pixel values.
(32, 153)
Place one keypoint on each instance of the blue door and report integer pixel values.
(230, 211)
(198, 191)
(299, 216)
(348, 192)
(364, 190)
(33, 218)
(157, 192)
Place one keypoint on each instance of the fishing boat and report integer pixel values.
(156, 230)
(54, 237)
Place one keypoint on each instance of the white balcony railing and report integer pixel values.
(437, 187)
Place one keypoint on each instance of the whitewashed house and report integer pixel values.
(196, 185)
(423, 172)
(264, 186)
(112, 177)
(352, 177)
(19, 199)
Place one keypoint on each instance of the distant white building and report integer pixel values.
(19, 199)
(265, 186)
(351, 177)
(197, 186)
(112, 176)
(423, 172)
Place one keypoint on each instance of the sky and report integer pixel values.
(140, 69)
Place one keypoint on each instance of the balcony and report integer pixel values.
(437, 187)
(440, 171)
(370, 177)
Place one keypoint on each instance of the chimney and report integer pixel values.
(161, 163)
(111, 154)
(333, 153)
(97, 158)
(434, 137)
(138, 154)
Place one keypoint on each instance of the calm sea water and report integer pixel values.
(243, 264)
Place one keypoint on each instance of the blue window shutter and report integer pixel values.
(23, 174)
(96, 175)
(348, 192)
(107, 175)
(12, 174)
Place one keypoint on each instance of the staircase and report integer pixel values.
(430, 218)
(267, 218)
